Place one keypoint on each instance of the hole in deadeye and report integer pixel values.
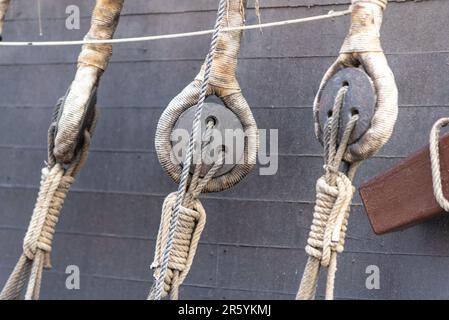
(212, 119)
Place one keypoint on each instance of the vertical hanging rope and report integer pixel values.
(434, 149)
(4, 4)
(69, 138)
(39, 17)
(216, 77)
(37, 244)
(334, 194)
(362, 48)
(189, 154)
(257, 6)
(191, 222)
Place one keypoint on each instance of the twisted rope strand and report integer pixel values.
(334, 195)
(329, 15)
(4, 4)
(191, 222)
(435, 163)
(37, 245)
(188, 159)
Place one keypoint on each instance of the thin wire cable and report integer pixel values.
(39, 13)
(190, 152)
(329, 15)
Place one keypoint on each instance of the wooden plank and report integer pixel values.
(403, 195)
(127, 258)
(128, 129)
(138, 172)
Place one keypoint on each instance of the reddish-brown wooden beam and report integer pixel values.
(403, 195)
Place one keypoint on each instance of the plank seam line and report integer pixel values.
(235, 245)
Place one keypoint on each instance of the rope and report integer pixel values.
(216, 77)
(37, 244)
(188, 159)
(189, 154)
(39, 17)
(4, 4)
(334, 195)
(435, 163)
(223, 84)
(191, 222)
(330, 15)
(362, 48)
(92, 62)
(72, 125)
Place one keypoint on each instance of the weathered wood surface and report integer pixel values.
(402, 196)
(253, 243)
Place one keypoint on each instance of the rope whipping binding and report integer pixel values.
(329, 15)
(4, 5)
(180, 195)
(191, 223)
(37, 245)
(334, 195)
(223, 84)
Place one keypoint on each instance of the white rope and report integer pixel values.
(39, 14)
(329, 15)
(435, 163)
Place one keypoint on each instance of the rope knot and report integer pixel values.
(53, 190)
(191, 221)
(330, 217)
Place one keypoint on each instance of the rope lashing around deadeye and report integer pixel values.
(183, 216)
(69, 138)
(355, 111)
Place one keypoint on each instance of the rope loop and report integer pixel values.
(66, 136)
(69, 136)
(330, 218)
(221, 82)
(334, 192)
(435, 163)
(362, 49)
(56, 180)
(36, 238)
(191, 222)
(217, 76)
(177, 241)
